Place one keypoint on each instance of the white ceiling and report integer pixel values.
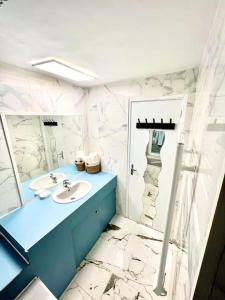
(116, 39)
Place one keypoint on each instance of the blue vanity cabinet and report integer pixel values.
(85, 234)
(106, 210)
(56, 255)
(52, 259)
(92, 223)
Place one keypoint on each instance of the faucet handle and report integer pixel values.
(66, 182)
(53, 177)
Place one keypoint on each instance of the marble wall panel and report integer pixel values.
(107, 116)
(66, 137)
(28, 145)
(207, 141)
(9, 193)
(23, 91)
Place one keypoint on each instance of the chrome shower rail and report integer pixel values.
(160, 289)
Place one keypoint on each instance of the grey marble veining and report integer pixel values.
(121, 265)
(105, 108)
(26, 91)
(66, 137)
(37, 148)
(29, 92)
(9, 193)
(199, 191)
(28, 146)
(107, 115)
(151, 176)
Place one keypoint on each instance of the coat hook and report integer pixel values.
(155, 124)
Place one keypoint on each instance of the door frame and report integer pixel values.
(182, 97)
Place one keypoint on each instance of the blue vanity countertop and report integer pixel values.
(37, 218)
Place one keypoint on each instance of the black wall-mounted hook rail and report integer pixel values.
(50, 123)
(155, 125)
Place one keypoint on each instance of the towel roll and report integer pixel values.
(93, 159)
(79, 156)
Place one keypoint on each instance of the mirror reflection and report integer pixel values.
(43, 143)
(151, 175)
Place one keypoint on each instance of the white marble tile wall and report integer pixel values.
(37, 148)
(8, 190)
(207, 140)
(28, 145)
(28, 92)
(66, 137)
(105, 111)
(107, 115)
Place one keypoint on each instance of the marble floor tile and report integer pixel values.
(122, 265)
(73, 291)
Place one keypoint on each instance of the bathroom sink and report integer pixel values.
(75, 191)
(46, 182)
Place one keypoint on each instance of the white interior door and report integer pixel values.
(152, 156)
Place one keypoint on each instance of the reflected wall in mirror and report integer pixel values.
(44, 143)
(151, 175)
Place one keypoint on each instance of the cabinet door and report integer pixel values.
(85, 234)
(52, 259)
(107, 209)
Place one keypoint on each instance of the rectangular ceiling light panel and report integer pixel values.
(57, 67)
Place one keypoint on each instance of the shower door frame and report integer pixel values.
(184, 104)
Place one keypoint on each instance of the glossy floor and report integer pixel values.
(123, 264)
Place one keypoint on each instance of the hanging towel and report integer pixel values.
(160, 138)
(155, 137)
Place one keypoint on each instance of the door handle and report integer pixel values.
(61, 155)
(132, 170)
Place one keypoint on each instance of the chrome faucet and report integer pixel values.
(66, 184)
(53, 178)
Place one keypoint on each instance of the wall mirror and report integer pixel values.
(151, 175)
(41, 143)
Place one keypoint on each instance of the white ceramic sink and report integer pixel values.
(76, 191)
(46, 182)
